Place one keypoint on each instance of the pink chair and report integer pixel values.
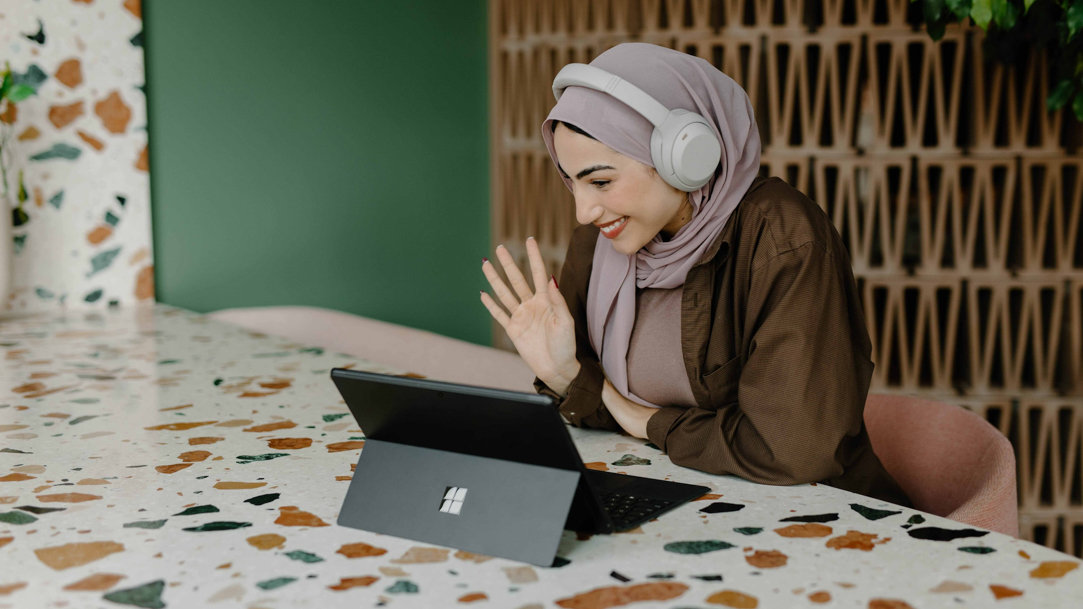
(398, 347)
(950, 461)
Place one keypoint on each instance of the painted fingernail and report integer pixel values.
(484, 260)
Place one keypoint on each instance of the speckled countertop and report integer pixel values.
(153, 458)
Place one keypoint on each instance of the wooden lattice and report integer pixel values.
(959, 196)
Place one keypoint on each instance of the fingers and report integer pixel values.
(515, 276)
(537, 264)
(499, 288)
(494, 309)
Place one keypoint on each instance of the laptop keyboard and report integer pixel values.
(626, 511)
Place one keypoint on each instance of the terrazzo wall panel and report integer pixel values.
(82, 238)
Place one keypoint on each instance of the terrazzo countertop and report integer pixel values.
(152, 458)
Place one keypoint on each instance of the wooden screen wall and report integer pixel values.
(957, 194)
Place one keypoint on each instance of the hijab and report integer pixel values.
(676, 80)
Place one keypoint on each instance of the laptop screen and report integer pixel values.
(495, 423)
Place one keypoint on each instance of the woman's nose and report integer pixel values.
(587, 210)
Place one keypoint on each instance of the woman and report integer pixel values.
(720, 320)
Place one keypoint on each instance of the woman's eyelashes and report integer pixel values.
(599, 183)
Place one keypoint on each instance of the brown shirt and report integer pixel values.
(775, 348)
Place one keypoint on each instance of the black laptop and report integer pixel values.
(485, 470)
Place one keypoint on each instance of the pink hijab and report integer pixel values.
(676, 80)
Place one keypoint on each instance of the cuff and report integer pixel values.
(660, 423)
(582, 406)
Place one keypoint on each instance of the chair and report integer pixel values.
(948, 460)
(407, 349)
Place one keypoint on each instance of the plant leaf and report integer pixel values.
(20, 92)
(1077, 106)
(1074, 16)
(1026, 6)
(961, 8)
(1060, 95)
(936, 29)
(932, 10)
(22, 196)
(1004, 14)
(981, 11)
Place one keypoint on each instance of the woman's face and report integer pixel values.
(624, 198)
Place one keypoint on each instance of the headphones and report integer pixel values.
(684, 147)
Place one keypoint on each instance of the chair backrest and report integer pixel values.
(398, 347)
(950, 461)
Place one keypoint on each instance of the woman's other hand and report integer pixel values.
(537, 321)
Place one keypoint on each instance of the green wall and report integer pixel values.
(328, 153)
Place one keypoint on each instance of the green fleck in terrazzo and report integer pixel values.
(631, 460)
(16, 518)
(696, 547)
(148, 595)
(403, 586)
(223, 525)
(303, 556)
(145, 524)
(199, 509)
(278, 582)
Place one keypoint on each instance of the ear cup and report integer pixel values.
(685, 150)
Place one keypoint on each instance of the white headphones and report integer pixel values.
(684, 147)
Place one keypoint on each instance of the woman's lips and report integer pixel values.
(610, 230)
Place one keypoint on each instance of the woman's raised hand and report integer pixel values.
(537, 321)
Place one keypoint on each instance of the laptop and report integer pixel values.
(485, 470)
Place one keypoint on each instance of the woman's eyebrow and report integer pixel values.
(590, 170)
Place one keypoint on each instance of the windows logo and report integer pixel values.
(454, 496)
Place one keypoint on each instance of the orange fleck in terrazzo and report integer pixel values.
(96, 582)
(67, 498)
(291, 516)
(473, 597)
(113, 112)
(708, 497)
(76, 554)
(267, 541)
(272, 426)
(810, 529)
(289, 443)
(16, 478)
(172, 468)
(194, 456)
(360, 550)
(235, 423)
(203, 440)
(1004, 591)
(342, 446)
(888, 603)
(856, 540)
(820, 597)
(69, 73)
(597, 465)
(9, 588)
(235, 486)
(471, 557)
(5, 541)
(1053, 569)
(615, 596)
(735, 599)
(346, 583)
(419, 554)
(767, 559)
(179, 426)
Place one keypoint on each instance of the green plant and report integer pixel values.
(12, 91)
(1013, 27)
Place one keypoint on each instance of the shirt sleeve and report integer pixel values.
(582, 406)
(802, 384)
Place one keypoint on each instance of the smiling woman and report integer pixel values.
(717, 315)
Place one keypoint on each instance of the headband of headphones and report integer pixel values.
(684, 148)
